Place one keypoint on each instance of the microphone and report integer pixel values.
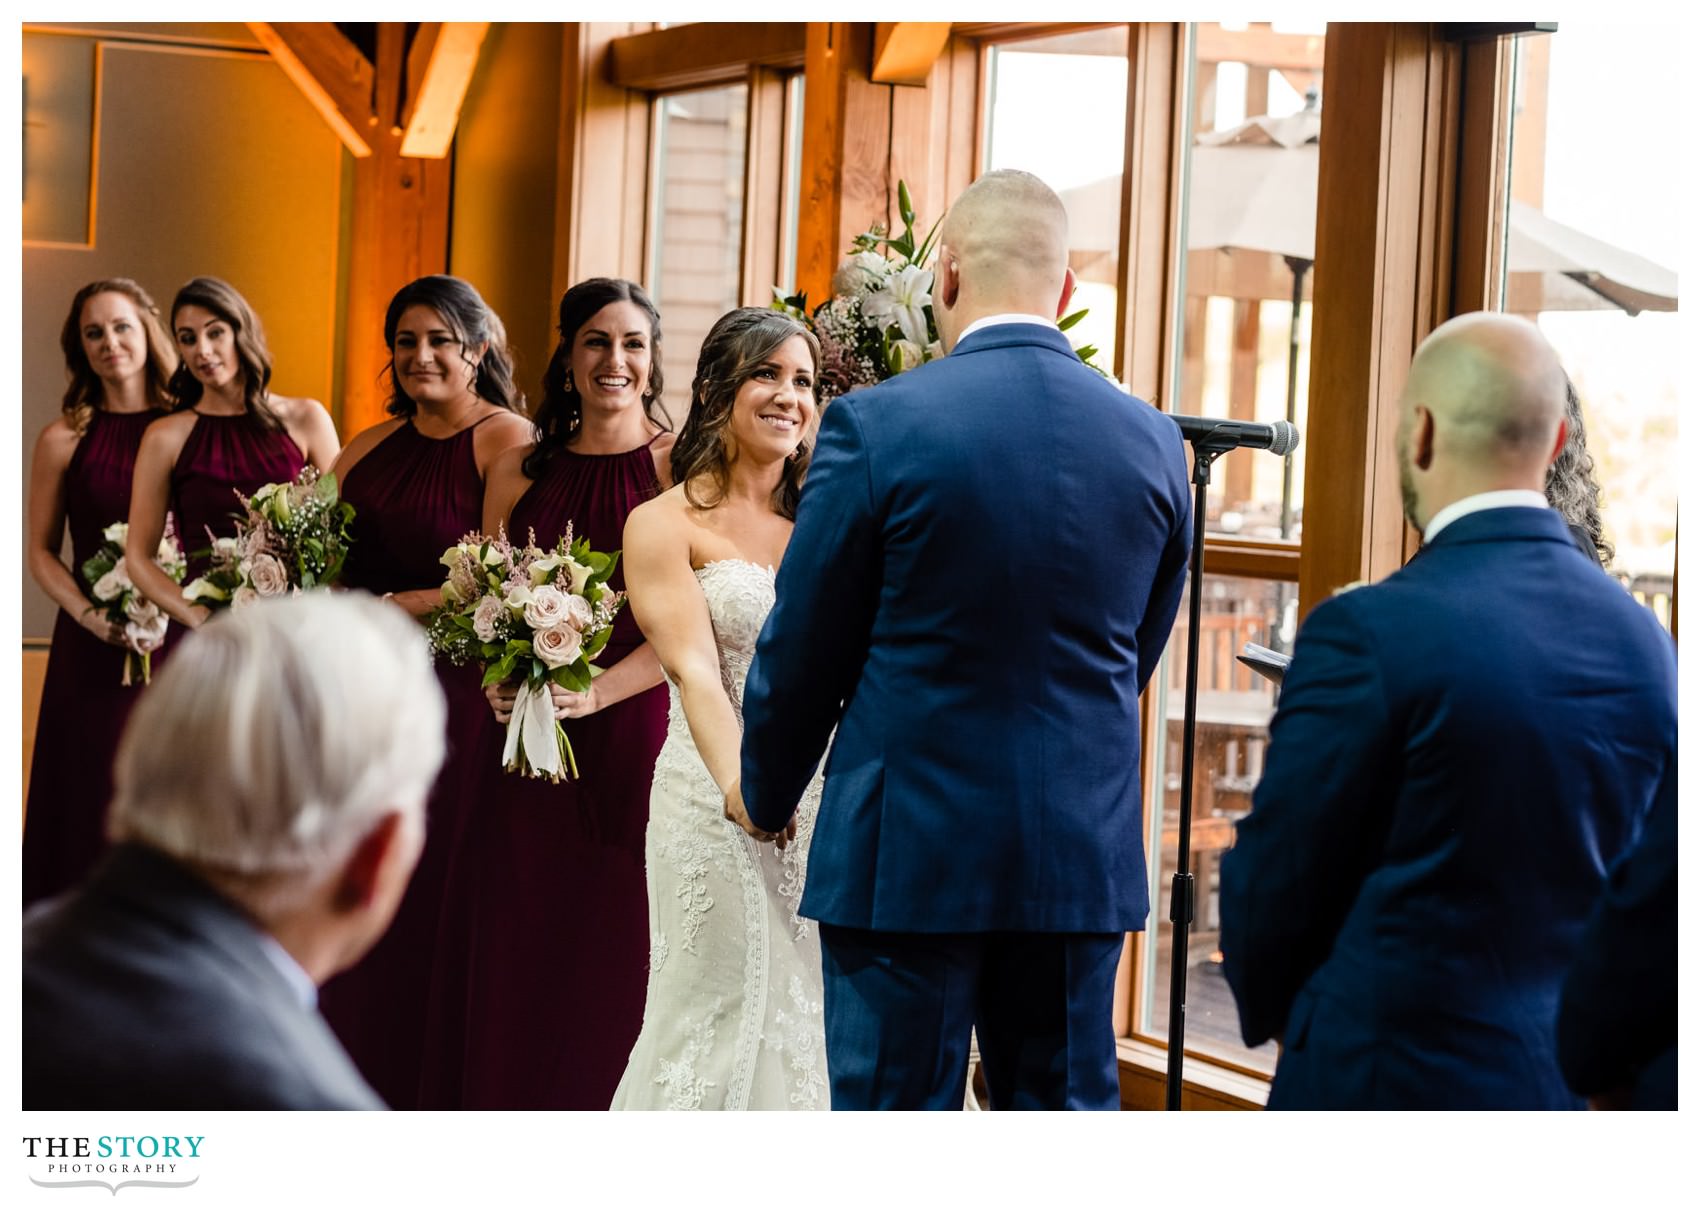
(1208, 433)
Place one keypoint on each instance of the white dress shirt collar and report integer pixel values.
(1012, 317)
(1504, 498)
(292, 971)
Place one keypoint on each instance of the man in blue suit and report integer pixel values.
(1459, 753)
(988, 557)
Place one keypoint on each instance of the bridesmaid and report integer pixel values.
(417, 485)
(119, 361)
(558, 946)
(231, 434)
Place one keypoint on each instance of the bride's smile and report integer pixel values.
(775, 407)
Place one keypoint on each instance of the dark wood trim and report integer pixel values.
(704, 53)
(1265, 561)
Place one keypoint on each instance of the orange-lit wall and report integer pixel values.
(207, 161)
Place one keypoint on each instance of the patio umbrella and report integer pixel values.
(1253, 191)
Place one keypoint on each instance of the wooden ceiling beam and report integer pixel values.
(331, 73)
(439, 71)
(904, 51)
(704, 53)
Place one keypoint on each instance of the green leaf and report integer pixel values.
(570, 677)
(926, 248)
(1086, 352)
(325, 489)
(1073, 318)
(499, 672)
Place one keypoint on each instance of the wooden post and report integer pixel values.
(1383, 229)
(846, 181)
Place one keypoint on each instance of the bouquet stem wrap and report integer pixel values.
(537, 745)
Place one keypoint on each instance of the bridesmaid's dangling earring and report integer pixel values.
(569, 380)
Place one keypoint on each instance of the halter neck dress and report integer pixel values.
(83, 701)
(543, 1006)
(413, 497)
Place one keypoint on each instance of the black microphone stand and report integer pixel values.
(1181, 898)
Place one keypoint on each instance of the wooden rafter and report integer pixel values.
(904, 51)
(331, 73)
(437, 80)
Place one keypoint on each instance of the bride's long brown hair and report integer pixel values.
(740, 342)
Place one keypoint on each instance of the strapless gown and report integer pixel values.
(733, 1015)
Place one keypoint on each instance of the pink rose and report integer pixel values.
(484, 619)
(556, 646)
(267, 575)
(547, 607)
(578, 613)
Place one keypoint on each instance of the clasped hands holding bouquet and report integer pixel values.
(568, 704)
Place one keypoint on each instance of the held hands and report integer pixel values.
(736, 813)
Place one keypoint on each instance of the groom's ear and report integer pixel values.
(949, 279)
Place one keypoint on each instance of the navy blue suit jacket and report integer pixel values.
(1617, 1019)
(1459, 753)
(988, 556)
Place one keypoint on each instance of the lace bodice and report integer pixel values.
(739, 596)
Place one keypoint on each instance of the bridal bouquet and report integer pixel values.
(540, 614)
(112, 593)
(289, 537)
(879, 321)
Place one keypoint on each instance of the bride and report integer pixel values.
(732, 1019)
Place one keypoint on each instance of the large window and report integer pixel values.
(1594, 219)
(1245, 354)
(696, 224)
(1250, 254)
(1057, 107)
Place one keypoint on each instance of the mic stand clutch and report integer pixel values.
(1181, 898)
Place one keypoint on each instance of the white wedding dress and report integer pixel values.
(732, 1019)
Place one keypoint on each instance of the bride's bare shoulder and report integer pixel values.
(659, 521)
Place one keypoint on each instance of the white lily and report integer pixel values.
(906, 293)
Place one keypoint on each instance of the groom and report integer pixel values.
(987, 560)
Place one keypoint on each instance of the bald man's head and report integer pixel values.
(1482, 410)
(1003, 248)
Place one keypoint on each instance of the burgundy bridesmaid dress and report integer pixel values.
(223, 456)
(549, 999)
(414, 497)
(83, 704)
